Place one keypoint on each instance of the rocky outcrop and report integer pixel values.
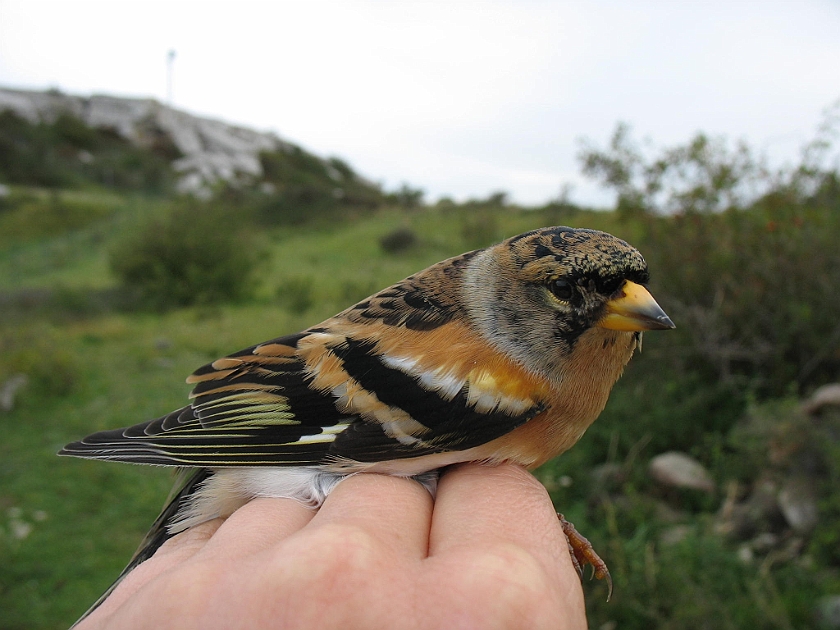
(210, 150)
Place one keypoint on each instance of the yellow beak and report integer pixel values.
(633, 310)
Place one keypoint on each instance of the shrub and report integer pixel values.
(304, 187)
(197, 254)
(296, 294)
(702, 175)
(407, 197)
(746, 264)
(67, 153)
(398, 240)
(29, 216)
(23, 350)
(480, 228)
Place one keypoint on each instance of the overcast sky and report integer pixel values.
(458, 98)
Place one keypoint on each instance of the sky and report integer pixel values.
(459, 98)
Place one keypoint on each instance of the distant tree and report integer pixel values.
(498, 199)
(704, 175)
(408, 197)
(342, 168)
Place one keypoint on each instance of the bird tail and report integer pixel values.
(186, 484)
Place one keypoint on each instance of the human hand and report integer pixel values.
(380, 553)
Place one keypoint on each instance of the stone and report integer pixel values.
(745, 554)
(757, 513)
(674, 534)
(608, 476)
(20, 529)
(764, 542)
(798, 503)
(678, 470)
(825, 396)
(828, 612)
(9, 390)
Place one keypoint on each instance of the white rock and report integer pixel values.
(798, 504)
(20, 529)
(745, 554)
(9, 390)
(212, 150)
(119, 114)
(674, 534)
(828, 612)
(827, 395)
(678, 470)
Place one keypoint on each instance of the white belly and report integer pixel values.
(228, 489)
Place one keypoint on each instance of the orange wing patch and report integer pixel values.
(453, 355)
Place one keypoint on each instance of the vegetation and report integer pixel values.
(190, 255)
(744, 260)
(67, 153)
(304, 186)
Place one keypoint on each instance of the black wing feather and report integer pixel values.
(259, 408)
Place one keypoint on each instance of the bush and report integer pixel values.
(480, 228)
(296, 294)
(745, 261)
(30, 216)
(755, 292)
(304, 187)
(398, 240)
(67, 153)
(197, 254)
(24, 350)
(747, 265)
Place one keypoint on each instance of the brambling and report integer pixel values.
(503, 354)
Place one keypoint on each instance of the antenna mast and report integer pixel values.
(170, 62)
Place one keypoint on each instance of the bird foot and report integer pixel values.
(582, 554)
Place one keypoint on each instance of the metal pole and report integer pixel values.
(170, 61)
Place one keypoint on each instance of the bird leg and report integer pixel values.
(582, 554)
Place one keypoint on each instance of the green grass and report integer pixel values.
(98, 371)
(97, 367)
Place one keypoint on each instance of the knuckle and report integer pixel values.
(347, 549)
(514, 583)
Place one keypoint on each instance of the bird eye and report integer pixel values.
(611, 286)
(562, 289)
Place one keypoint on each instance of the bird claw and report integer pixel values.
(582, 553)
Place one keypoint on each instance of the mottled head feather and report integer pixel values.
(576, 254)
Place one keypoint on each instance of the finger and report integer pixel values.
(478, 506)
(500, 522)
(178, 549)
(395, 512)
(256, 526)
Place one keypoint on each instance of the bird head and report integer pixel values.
(535, 295)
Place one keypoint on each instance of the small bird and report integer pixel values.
(503, 354)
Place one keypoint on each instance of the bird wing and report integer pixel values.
(398, 375)
(315, 398)
(248, 409)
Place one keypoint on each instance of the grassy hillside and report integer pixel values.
(91, 367)
(754, 291)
